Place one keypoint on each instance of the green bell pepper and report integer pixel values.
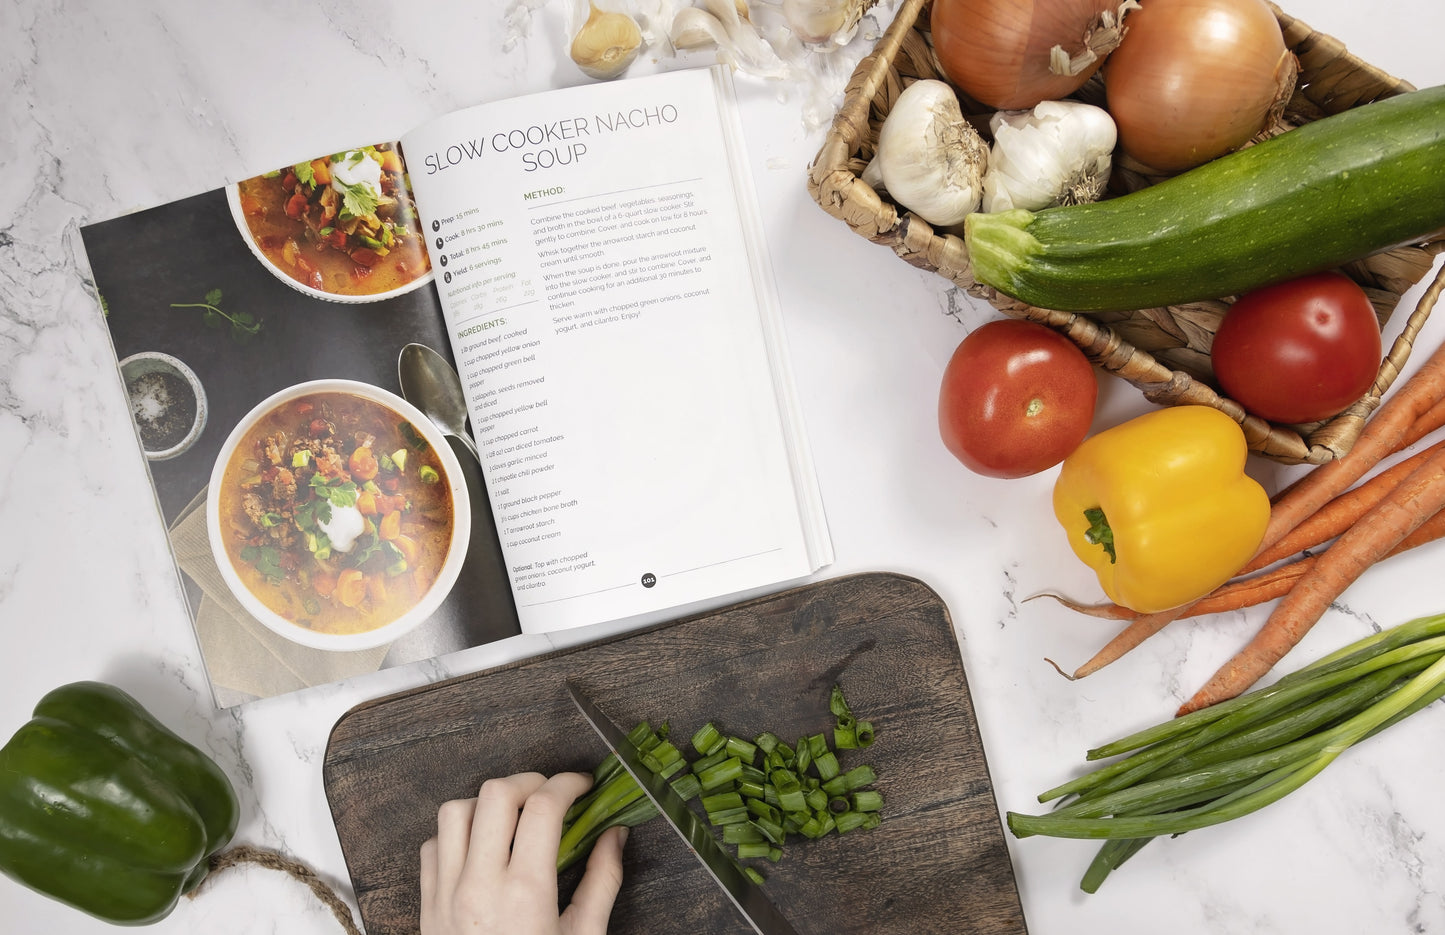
(106, 810)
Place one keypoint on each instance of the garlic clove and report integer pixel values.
(696, 28)
(606, 44)
(825, 22)
(873, 176)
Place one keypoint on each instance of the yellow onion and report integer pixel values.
(1195, 79)
(1012, 54)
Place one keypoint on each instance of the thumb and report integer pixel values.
(596, 892)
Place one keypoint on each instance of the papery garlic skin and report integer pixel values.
(931, 159)
(1060, 152)
(825, 22)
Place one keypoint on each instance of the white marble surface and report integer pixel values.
(111, 107)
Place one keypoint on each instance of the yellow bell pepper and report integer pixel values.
(1160, 507)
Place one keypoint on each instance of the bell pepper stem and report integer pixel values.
(1099, 532)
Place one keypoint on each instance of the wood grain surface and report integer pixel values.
(936, 864)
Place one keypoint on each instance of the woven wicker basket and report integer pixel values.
(1162, 351)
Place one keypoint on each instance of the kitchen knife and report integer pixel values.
(759, 912)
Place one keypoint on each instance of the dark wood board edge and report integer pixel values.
(927, 595)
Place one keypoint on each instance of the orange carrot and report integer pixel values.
(1234, 595)
(350, 587)
(1139, 629)
(1398, 417)
(1418, 497)
(1339, 514)
(1428, 421)
(1256, 589)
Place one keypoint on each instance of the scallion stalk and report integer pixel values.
(1231, 759)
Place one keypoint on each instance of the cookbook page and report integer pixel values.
(603, 306)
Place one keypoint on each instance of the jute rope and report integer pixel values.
(275, 860)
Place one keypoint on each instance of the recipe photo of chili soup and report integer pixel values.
(336, 513)
(343, 224)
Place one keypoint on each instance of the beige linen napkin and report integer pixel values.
(240, 653)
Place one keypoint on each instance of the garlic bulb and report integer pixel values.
(931, 160)
(825, 22)
(606, 44)
(1058, 153)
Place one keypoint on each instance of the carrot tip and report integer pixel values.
(1059, 670)
(1104, 611)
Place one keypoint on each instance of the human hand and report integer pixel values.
(492, 867)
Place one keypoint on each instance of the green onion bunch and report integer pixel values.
(757, 792)
(1237, 756)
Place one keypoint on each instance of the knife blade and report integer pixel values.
(760, 913)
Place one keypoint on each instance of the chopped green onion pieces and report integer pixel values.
(709, 761)
(726, 771)
(855, 778)
(863, 733)
(707, 740)
(715, 803)
(687, 786)
(728, 816)
(758, 792)
(738, 747)
(752, 774)
(763, 810)
(743, 832)
(826, 765)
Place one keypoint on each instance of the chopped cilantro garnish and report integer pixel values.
(358, 200)
(369, 547)
(267, 560)
(304, 173)
(336, 492)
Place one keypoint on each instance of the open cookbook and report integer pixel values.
(520, 371)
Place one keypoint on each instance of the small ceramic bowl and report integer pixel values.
(167, 403)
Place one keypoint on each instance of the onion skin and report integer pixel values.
(1195, 79)
(997, 51)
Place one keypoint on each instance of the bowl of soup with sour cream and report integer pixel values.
(342, 227)
(338, 515)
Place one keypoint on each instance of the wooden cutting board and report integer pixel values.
(936, 864)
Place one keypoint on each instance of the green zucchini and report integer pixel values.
(1331, 191)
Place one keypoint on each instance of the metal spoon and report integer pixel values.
(429, 383)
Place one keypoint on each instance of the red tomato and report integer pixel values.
(1017, 398)
(1299, 351)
